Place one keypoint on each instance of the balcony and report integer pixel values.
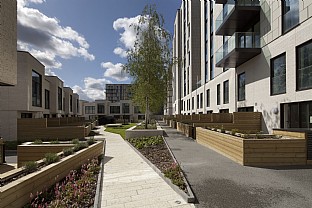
(236, 16)
(239, 48)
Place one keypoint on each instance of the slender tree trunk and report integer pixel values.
(146, 112)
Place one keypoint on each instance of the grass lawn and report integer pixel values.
(120, 130)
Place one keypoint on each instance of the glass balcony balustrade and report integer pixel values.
(236, 13)
(230, 50)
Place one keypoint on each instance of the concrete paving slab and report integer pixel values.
(130, 182)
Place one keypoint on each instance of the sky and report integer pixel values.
(84, 42)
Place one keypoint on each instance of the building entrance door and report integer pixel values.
(296, 115)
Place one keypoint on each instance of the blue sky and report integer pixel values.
(84, 41)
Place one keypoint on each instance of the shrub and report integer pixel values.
(234, 131)
(77, 189)
(50, 158)
(91, 141)
(31, 166)
(142, 142)
(55, 142)
(75, 141)
(80, 146)
(37, 141)
(174, 174)
(68, 151)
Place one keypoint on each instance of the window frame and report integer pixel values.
(297, 65)
(272, 72)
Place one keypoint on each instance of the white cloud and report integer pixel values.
(121, 52)
(128, 35)
(94, 89)
(114, 71)
(45, 37)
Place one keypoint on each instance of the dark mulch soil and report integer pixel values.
(158, 155)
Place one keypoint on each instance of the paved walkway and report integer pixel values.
(130, 182)
(219, 182)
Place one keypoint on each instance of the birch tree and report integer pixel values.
(148, 63)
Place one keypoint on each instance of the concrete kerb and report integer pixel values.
(99, 187)
(188, 199)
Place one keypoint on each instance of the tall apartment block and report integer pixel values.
(117, 92)
(8, 42)
(254, 56)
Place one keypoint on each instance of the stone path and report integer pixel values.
(130, 182)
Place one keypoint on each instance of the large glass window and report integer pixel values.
(60, 98)
(218, 94)
(101, 108)
(89, 109)
(114, 109)
(208, 97)
(304, 66)
(198, 101)
(137, 109)
(290, 11)
(241, 86)
(278, 75)
(46, 99)
(36, 89)
(226, 92)
(192, 103)
(125, 108)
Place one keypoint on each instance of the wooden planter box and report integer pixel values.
(17, 193)
(33, 152)
(186, 129)
(255, 152)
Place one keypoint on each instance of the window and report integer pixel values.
(60, 98)
(211, 68)
(198, 101)
(241, 86)
(246, 109)
(77, 105)
(224, 111)
(201, 100)
(304, 66)
(226, 92)
(208, 97)
(125, 108)
(290, 14)
(137, 109)
(101, 108)
(114, 109)
(26, 115)
(218, 94)
(46, 99)
(71, 103)
(278, 75)
(90, 109)
(36, 89)
(192, 103)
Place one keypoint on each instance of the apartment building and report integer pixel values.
(8, 42)
(117, 105)
(34, 96)
(118, 92)
(255, 56)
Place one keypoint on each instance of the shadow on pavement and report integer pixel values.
(107, 159)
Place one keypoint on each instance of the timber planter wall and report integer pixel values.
(33, 152)
(186, 129)
(255, 152)
(17, 193)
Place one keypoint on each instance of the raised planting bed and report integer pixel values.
(17, 192)
(133, 132)
(29, 151)
(157, 153)
(186, 129)
(255, 152)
